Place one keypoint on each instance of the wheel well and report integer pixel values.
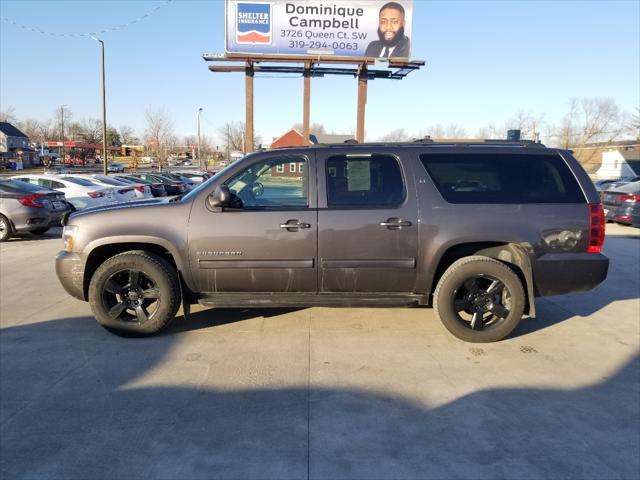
(508, 253)
(104, 252)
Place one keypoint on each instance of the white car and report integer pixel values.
(121, 191)
(80, 193)
(140, 190)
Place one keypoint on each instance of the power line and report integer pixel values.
(88, 34)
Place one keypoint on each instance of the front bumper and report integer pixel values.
(70, 271)
(557, 274)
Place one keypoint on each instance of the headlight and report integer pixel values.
(68, 235)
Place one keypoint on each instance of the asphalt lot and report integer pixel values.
(318, 393)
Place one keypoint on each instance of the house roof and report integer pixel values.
(11, 131)
(631, 154)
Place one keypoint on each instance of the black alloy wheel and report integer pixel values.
(135, 293)
(479, 299)
(482, 302)
(131, 296)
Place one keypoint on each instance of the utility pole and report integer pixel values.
(199, 157)
(105, 169)
(62, 129)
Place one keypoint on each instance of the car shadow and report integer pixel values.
(78, 402)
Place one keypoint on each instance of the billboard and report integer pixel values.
(351, 28)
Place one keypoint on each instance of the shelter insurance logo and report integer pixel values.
(253, 23)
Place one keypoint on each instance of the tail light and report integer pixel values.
(596, 228)
(139, 188)
(95, 194)
(628, 198)
(30, 200)
(125, 190)
(624, 218)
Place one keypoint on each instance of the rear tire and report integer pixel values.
(135, 294)
(6, 229)
(479, 299)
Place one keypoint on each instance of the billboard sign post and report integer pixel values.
(344, 28)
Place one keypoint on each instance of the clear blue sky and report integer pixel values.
(485, 62)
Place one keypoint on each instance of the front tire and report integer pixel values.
(135, 293)
(479, 299)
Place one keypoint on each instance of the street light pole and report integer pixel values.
(199, 158)
(105, 169)
(62, 129)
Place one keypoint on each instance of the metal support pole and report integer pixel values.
(248, 132)
(199, 157)
(306, 106)
(105, 168)
(362, 102)
(62, 128)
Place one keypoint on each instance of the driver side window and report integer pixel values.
(279, 182)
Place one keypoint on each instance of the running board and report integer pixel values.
(301, 300)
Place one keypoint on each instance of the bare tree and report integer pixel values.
(488, 132)
(159, 136)
(454, 130)
(529, 124)
(62, 114)
(128, 135)
(590, 120)
(633, 125)
(8, 115)
(398, 135)
(32, 129)
(91, 130)
(232, 134)
(313, 128)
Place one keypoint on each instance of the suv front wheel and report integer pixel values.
(479, 299)
(134, 293)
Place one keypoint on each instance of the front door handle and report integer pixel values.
(395, 223)
(293, 225)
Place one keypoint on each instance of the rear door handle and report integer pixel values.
(395, 223)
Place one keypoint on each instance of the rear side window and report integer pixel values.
(364, 180)
(502, 178)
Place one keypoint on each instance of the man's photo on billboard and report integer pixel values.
(392, 42)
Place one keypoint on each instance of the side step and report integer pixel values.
(301, 300)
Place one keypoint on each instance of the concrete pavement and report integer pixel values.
(318, 393)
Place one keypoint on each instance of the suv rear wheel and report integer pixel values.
(479, 299)
(134, 293)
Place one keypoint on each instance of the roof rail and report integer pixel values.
(440, 143)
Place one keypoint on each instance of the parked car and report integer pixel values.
(195, 176)
(79, 192)
(28, 208)
(621, 204)
(115, 167)
(140, 190)
(622, 196)
(367, 224)
(121, 191)
(157, 188)
(173, 187)
(611, 184)
(188, 183)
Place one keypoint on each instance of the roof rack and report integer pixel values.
(441, 143)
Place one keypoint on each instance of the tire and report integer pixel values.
(6, 229)
(40, 231)
(479, 299)
(157, 293)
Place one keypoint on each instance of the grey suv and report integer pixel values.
(476, 230)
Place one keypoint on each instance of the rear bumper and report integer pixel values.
(557, 274)
(70, 271)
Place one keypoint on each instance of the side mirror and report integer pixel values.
(221, 197)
